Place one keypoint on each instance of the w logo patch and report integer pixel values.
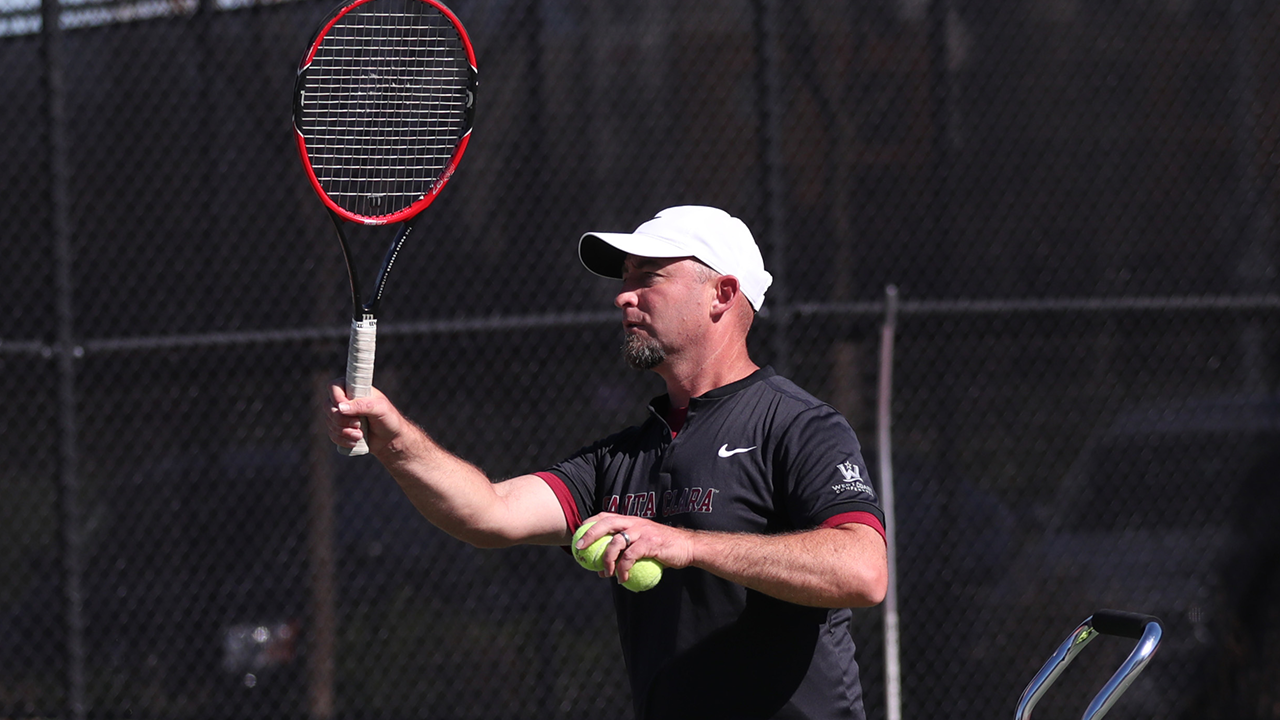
(850, 471)
(852, 480)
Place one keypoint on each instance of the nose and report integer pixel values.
(625, 299)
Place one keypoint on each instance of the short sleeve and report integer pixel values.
(819, 463)
(574, 482)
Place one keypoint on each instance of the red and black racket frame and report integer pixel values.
(363, 310)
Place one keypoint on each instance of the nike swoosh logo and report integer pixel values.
(726, 452)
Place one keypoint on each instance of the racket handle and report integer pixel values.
(360, 352)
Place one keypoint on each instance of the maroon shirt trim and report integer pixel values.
(860, 518)
(675, 419)
(567, 504)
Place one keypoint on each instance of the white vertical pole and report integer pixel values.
(884, 400)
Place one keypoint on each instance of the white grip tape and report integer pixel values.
(360, 352)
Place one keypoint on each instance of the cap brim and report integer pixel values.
(601, 258)
(604, 253)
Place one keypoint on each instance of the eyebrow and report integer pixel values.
(643, 263)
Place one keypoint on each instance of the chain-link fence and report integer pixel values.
(1075, 198)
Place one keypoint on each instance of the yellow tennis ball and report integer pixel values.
(644, 575)
(591, 557)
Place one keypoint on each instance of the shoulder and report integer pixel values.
(781, 413)
(783, 402)
(799, 421)
(791, 394)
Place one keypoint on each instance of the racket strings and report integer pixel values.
(385, 105)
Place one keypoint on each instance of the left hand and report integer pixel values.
(635, 538)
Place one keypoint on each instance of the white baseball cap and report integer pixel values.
(721, 241)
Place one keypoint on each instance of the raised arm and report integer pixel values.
(453, 494)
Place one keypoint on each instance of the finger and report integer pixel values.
(340, 415)
(352, 408)
(601, 525)
(369, 406)
(344, 431)
(340, 426)
(350, 435)
(622, 570)
(613, 553)
(338, 391)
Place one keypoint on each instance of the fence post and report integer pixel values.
(769, 51)
(67, 353)
(884, 417)
(321, 561)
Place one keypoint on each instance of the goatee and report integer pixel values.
(642, 353)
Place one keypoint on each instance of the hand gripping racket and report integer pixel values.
(383, 107)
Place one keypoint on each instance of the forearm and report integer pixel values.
(451, 493)
(828, 567)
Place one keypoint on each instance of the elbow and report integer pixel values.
(851, 587)
(868, 586)
(864, 577)
(874, 593)
(484, 540)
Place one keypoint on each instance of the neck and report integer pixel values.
(695, 376)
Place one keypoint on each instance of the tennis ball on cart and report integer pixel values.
(591, 557)
(644, 575)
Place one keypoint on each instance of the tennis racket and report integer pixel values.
(383, 107)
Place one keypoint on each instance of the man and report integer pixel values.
(751, 492)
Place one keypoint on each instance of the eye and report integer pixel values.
(640, 276)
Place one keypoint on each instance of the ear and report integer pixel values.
(728, 293)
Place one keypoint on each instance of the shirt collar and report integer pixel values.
(662, 404)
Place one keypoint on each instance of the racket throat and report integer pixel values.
(362, 310)
(388, 261)
(353, 276)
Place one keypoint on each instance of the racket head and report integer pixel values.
(383, 107)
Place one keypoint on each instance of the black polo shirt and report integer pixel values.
(761, 456)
